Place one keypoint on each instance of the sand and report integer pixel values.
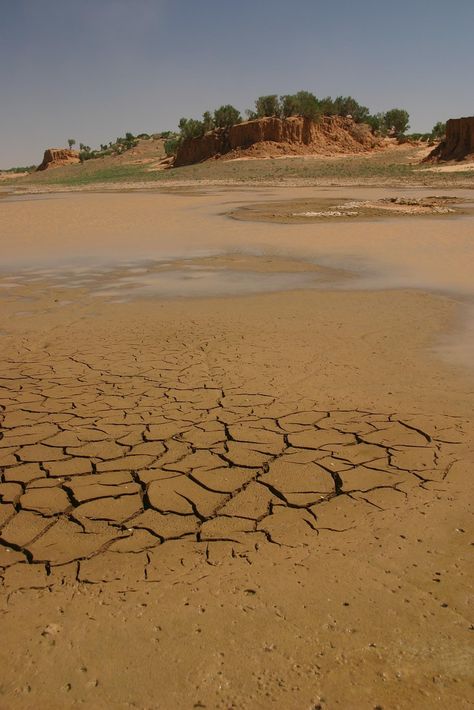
(236, 456)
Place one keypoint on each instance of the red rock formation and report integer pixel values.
(53, 157)
(333, 134)
(459, 141)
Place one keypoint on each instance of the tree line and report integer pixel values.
(394, 122)
(303, 103)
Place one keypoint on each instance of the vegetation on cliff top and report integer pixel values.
(303, 103)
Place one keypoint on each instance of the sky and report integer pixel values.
(95, 69)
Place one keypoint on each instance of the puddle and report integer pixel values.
(231, 275)
(194, 281)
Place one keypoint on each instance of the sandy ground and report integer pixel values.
(236, 457)
(451, 168)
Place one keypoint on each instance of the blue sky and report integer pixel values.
(94, 69)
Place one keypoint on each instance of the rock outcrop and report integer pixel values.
(458, 144)
(279, 136)
(54, 157)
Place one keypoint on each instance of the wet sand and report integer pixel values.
(236, 458)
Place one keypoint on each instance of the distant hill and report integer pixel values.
(146, 155)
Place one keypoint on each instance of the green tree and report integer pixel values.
(190, 128)
(171, 146)
(289, 105)
(308, 105)
(397, 121)
(348, 106)
(71, 142)
(303, 103)
(267, 106)
(327, 106)
(208, 121)
(377, 122)
(438, 131)
(226, 116)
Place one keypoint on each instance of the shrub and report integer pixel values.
(226, 116)
(267, 106)
(438, 131)
(327, 106)
(85, 155)
(397, 121)
(348, 106)
(303, 103)
(208, 121)
(190, 128)
(289, 105)
(171, 146)
(418, 136)
(19, 169)
(377, 123)
(308, 105)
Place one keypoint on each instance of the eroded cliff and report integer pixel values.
(459, 141)
(294, 135)
(53, 157)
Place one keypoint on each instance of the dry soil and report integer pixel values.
(236, 457)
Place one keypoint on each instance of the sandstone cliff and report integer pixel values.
(459, 141)
(53, 157)
(277, 136)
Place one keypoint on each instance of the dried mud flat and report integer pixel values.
(232, 502)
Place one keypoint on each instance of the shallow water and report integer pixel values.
(178, 279)
(124, 246)
(203, 282)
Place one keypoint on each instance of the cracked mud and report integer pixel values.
(102, 460)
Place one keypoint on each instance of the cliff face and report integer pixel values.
(333, 134)
(54, 157)
(459, 141)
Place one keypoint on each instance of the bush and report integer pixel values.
(226, 116)
(303, 103)
(347, 106)
(171, 146)
(377, 123)
(19, 169)
(289, 105)
(438, 131)
(190, 128)
(397, 121)
(208, 121)
(418, 136)
(327, 106)
(267, 106)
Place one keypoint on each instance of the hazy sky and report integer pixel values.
(94, 69)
